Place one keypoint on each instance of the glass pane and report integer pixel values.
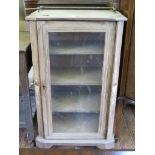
(76, 62)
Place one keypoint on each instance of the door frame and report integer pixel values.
(113, 33)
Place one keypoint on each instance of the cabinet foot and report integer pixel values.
(106, 146)
(100, 143)
(42, 144)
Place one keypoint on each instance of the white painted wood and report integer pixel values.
(48, 80)
(76, 26)
(45, 79)
(84, 142)
(108, 15)
(75, 136)
(106, 77)
(115, 76)
(36, 72)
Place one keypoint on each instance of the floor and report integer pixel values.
(72, 152)
(126, 141)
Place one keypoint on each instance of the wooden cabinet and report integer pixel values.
(76, 56)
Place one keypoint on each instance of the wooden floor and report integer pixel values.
(126, 141)
(73, 152)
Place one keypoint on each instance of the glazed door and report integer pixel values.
(75, 60)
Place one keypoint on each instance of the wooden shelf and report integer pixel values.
(75, 122)
(76, 102)
(76, 49)
(76, 76)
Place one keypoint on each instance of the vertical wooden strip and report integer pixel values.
(35, 59)
(118, 44)
(48, 81)
(107, 77)
(43, 66)
(45, 77)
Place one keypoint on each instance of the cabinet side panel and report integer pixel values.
(107, 77)
(115, 76)
(44, 77)
(35, 59)
(47, 83)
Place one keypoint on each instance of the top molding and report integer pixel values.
(107, 15)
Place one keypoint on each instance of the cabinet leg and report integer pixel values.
(106, 146)
(101, 147)
(42, 144)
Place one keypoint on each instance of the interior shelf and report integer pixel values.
(76, 76)
(75, 122)
(76, 101)
(76, 49)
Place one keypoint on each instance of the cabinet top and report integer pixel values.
(108, 15)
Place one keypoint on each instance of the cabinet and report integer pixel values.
(76, 55)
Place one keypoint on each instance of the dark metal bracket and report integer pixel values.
(126, 100)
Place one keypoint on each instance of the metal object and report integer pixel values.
(76, 6)
(72, 7)
(74, 2)
(127, 100)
